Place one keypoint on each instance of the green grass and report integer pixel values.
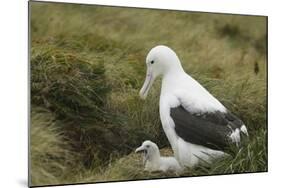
(51, 156)
(87, 67)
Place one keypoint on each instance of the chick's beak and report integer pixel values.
(140, 149)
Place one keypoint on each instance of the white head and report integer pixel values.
(159, 61)
(150, 150)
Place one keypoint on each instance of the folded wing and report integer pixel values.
(215, 130)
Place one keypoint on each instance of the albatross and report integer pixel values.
(154, 161)
(196, 124)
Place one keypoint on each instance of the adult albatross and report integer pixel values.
(196, 124)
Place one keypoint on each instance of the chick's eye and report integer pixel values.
(147, 146)
(151, 62)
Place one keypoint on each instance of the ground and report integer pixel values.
(88, 65)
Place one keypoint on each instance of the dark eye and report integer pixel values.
(151, 62)
(147, 146)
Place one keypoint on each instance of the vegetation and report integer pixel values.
(87, 67)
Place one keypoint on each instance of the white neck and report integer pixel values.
(173, 77)
(173, 68)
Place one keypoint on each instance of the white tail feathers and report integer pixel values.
(235, 135)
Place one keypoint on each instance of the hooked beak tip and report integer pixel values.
(142, 96)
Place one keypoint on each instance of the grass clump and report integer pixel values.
(71, 86)
(50, 157)
(74, 89)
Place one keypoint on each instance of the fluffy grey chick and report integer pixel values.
(154, 162)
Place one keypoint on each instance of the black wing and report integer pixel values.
(211, 130)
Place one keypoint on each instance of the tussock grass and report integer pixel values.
(76, 90)
(69, 85)
(87, 66)
(50, 153)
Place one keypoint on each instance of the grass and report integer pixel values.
(87, 66)
(51, 155)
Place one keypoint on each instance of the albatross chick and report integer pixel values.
(153, 160)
